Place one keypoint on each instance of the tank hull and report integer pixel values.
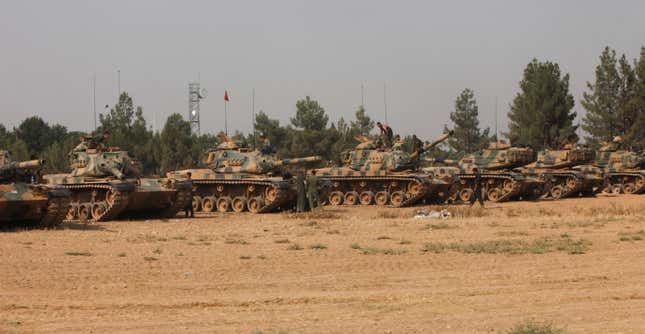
(563, 183)
(398, 189)
(102, 199)
(237, 192)
(29, 204)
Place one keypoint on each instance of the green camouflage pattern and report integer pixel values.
(106, 184)
(624, 171)
(374, 175)
(23, 200)
(554, 167)
(238, 179)
(495, 164)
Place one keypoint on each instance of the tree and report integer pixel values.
(271, 129)
(637, 133)
(175, 141)
(127, 128)
(602, 100)
(363, 124)
(541, 113)
(35, 133)
(309, 115)
(467, 137)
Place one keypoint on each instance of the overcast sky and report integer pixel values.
(425, 52)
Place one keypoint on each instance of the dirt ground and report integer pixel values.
(577, 263)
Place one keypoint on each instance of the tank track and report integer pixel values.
(282, 196)
(423, 181)
(506, 194)
(637, 176)
(567, 189)
(56, 211)
(113, 211)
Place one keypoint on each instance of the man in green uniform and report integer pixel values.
(312, 190)
(477, 189)
(302, 195)
(189, 206)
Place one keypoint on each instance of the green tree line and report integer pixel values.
(541, 115)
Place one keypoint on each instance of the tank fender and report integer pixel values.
(122, 186)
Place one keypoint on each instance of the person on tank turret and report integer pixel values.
(397, 145)
(267, 149)
(386, 134)
(417, 144)
(90, 142)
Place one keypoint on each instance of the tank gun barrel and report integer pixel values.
(23, 165)
(448, 162)
(437, 141)
(296, 161)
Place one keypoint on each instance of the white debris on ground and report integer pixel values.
(427, 214)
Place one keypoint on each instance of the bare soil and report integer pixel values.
(578, 263)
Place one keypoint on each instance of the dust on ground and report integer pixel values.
(576, 263)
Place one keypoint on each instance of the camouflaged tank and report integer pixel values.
(495, 165)
(238, 180)
(554, 168)
(24, 201)
(374, 175)
(624, 171)
(105, 185)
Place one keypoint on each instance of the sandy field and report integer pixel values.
(578, 263)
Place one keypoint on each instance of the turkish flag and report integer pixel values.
(226, 96)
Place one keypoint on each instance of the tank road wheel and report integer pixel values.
(98, 209)
(397, 198)
(556, 192)
(414, 188)
(224, 204)
(110, 196)
(366, 197)
(351, 198)
(255, 204)
(197, 203)
(271, 194)
(336, 198)
(72, 212)
(571, 182)
(381, 198)
(239, 204)
(465, 195)
(508, 185)
(639, 183)
(629, 188)
(84, 212)
(208, 203)
(494, 195)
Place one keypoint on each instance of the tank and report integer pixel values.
(624, 171)
(24, 200)
(554, 167)
(105, 184)
(373, 175)
(238, 179)
(495, 165)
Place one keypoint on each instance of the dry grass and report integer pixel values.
(236, 242)
(78, 253)
(375, 251)
(295, 247)
(282, 241)
(631, 236)
(391, 214)
(317, 247)
(511, 247)
(531, 327)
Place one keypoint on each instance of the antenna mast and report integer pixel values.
(385, 102)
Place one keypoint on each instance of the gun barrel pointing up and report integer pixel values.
(438, 141)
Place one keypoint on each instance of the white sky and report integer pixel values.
(425, 51)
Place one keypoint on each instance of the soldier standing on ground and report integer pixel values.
(300, 188)
(312, 190)
(477, 189)
(189, 206)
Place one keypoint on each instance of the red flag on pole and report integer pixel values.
(226, 96)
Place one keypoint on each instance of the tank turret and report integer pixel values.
(498, 156)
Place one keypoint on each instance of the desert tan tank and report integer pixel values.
(373, 175)
(24, 200)
(238, 179)
(554, 168)
(105, 184)
(624, 171)
(495, 165)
